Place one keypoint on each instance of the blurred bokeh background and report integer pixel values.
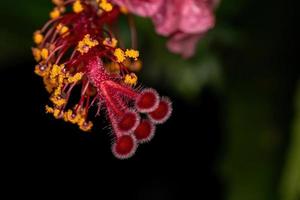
(234, 133)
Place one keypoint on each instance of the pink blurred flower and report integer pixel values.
(183, 21)
(188, 16)
(184, 44)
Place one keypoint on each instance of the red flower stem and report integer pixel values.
(109, 101)
(128, 92)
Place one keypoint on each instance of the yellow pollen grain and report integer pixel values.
(48, 84)
(120, 55)
(77, 7)
(110, 42)
(85, 126)
(135, 66)
(55, 71)
(57, 113)
(86, 44)
(44, 54)
(130, 79)
(71, 117)
(75, 78)
(40, 72)
(58, 101)
(37, 70)
(57, 91)
(112, 67)
(61, 78)
(81, 121)
(62, 29)
(49, 109)
(55, 13)
(36, 54)
(131, 53)
(83, 112)
(88, 41)
(82, 48)
(104, 5)
(38, 37)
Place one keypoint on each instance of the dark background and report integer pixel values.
(229, 136)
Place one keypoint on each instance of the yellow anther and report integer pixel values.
(62, 29)
(77, 7)
(126, 63)
(88, 41)
(36, 54)
(57, 113)
(65, 117)
(41, 70)
(61, 78)
(44, 54)
(135, 66)
(131, 53)
(37, 70)
(104, 5)
(112, 67)
(81, 121)
(48, 85)
(82, 47)
(38, 37)
(71, 117)
(58, 101)
(83, 112)
(56, 77)
(130, 79)
(75, 78)
(57, 91)
(55, 13)
(110, 42)
(85, 44)
(85, 126)
(55, 71)
(124, 10)
(49, 109)
(120, 55)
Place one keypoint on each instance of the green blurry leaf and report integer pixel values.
(290, 187)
